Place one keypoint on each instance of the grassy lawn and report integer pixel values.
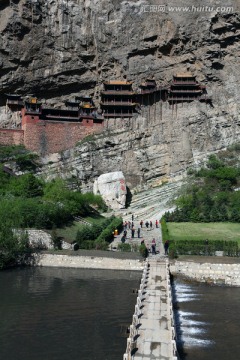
(202, 231)
(68, 233)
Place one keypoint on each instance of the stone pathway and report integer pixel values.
(147, 235)
(156, 334)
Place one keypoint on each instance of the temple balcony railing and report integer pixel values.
(105, 115)
(185, 98)
(188, 82)
(186, 91)
(118, 92)
(118, 103)
(15, 102)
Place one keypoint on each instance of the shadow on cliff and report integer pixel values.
(128, 197)
(4, 4)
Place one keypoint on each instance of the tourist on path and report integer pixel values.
(129, 225)
(153, 246)
(150, 224)
(125, 233)
(123, 239)
(139, 231)
(147, 224)
(133, 232)
(141, 223)
(156, 224)
(125, 225)
(166, 246)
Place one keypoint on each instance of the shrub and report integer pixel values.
(124, 247)
(200, 247)
(56, 240)
(102, 245)
(107, 233)
(143, 251)
(88, 245)
(165, 233)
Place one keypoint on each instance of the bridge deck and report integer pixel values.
(156, 332)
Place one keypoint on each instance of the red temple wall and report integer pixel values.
(11, 137)
(47, 137)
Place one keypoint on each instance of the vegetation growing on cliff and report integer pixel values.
(213, 195)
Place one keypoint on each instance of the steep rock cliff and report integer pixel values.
(60, 48)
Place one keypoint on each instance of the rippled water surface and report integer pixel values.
(208, 321)
(65, 314)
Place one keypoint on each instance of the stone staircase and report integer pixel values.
(151, 204)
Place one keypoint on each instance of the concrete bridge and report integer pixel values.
(152, 332)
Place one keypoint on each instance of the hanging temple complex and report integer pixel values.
(48, 130)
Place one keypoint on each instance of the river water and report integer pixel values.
(208, 321)
(72, 314)
(65, 314)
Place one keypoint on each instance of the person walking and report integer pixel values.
(147, 224)
(139, 231)
(123, 239)
(125, 233)
(141, 223)
(153, 246)
(156, 224)
(166, 246)
(150, 224)
(133, 231)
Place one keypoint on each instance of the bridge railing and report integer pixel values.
(133, 330)
(171, 314)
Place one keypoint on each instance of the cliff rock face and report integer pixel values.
(61, 48)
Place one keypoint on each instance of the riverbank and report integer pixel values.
(116, 262)
(213, 270)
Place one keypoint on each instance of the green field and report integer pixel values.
(203, 231)
(68, 233)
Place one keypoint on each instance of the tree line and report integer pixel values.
(212, 196)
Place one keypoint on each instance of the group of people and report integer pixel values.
(129, 225)
(149, 224)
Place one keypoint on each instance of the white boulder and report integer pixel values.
(112, 188)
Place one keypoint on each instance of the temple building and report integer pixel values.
(148, 87)
(118, 99)
(79, 110)
(185, 88)
(149, 93)
(14, 102)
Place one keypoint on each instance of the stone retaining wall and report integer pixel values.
(226, 274)
(89, 262)
(42, 240)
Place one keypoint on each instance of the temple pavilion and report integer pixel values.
(185, 88)
(118, 99)
(14, 101)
